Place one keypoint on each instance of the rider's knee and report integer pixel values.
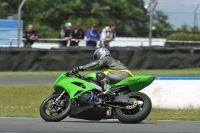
(102, 77)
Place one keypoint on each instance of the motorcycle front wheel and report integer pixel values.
(138, 113)
(54, 111)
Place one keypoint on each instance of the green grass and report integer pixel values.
(174, 114)
(24, 101)
(159, 72)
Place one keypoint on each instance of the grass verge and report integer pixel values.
(168, 72)
(24, 101)
(174, 114)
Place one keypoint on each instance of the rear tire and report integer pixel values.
(137, 114)
(54, 112)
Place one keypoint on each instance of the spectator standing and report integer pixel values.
(30, 36)
(77, 33)
(107, 35)
(66, 35)
(93, 36)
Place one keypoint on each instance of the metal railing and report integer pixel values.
(162, 41)
(117, 39)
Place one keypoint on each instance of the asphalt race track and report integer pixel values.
(37, 125)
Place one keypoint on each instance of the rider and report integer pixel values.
(114, 71)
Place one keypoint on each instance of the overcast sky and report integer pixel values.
(179, 11)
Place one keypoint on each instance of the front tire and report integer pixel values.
(137, 114)
(55, 111)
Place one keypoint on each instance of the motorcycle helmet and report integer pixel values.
(101, 53)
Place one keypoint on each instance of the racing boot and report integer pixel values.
(105, 93)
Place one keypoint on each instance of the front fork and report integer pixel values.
(55, 105)
(60, 96)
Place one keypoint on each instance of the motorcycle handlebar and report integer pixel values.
(78, 75)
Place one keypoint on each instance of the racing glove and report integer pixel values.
(77, 69)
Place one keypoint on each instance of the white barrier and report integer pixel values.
(118, 42)
(174, 93)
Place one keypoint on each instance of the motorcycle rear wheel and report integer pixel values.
(54, 112)
(136, 114)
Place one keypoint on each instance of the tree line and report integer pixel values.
(49, 16)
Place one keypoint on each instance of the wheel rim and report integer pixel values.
(52, 109)
(137, 109)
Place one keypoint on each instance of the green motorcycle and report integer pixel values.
(76, 96)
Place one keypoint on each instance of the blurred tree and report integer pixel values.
(162, 27)
(187, 29)
(130, 16)
(184, 28)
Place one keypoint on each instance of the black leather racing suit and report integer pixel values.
(113, 75)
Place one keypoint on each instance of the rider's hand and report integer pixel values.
(75, 70)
